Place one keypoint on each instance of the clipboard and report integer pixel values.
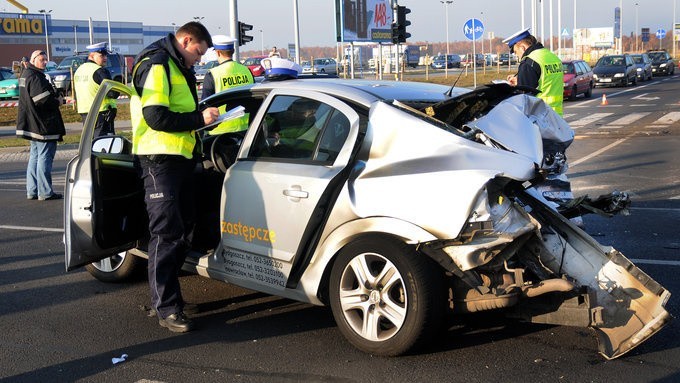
(231, 114)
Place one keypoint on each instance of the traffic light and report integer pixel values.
(242, 37)
(399, 34)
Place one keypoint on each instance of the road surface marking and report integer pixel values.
(31, 228)
(668, 119)
(589, 119)
(625, 120)
(598, 152)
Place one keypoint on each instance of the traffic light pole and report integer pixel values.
(234, 29)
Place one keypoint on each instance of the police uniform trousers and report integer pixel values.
(104, 124)
(170, 204)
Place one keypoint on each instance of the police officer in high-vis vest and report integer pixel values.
(228, 74)
(87, 80)
(539, 68)
(165, 116)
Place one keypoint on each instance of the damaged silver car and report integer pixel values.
(399, 205)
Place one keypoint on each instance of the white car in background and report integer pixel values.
(321, 65)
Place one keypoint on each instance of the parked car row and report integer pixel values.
(614, 70)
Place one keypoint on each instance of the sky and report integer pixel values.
(273, 19)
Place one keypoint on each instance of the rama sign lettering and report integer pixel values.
(14, 26)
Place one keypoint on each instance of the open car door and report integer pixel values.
(104, 209)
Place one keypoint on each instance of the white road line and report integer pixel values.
(629, 119)
(615, 94)
(668, 118)
(31, 228)
(567, 115)
(598, 152)
(655, 262)
(589, 119)
(611, 127)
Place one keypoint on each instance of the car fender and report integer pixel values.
(322, 260)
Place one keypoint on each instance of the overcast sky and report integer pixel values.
(317, 17)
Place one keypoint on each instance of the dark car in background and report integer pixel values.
(615, 70)
(61, 76)
(506, 59)
(662, 62)
(201, 70)
(643, 65)
(441, 62)
(578, 78)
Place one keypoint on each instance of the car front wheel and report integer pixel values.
(386, 298)
(117, 268)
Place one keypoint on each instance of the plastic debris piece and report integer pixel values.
(119, 360)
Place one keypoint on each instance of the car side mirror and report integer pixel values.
(109, 144)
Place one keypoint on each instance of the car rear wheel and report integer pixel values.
(386, 298)
(589, 92)
(118, 268)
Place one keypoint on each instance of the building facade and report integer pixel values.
(21, 33)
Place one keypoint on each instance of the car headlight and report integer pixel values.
(595, 76)
(619, 75)
(662, 65)
(13, 86)
(566, 84)
(60, 77)
(639, 69)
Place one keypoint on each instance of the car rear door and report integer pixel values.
(279, 190)
(104, 209)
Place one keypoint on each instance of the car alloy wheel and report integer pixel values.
(117, 268)
(386, 298)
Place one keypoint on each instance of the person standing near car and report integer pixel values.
(228, 74)
(39, 120)
(165, 116)
(87, 79)
(539, 68)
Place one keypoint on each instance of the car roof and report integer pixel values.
(367, 91)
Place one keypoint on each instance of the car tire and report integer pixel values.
(392, 319)
(634, 80)
(121, 267)
(572, 96)
(589, 92)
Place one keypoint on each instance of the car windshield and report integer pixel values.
(612, 61)
(657, 56)
(637, 59)
(253, 61)
(70, 62)
(568, 68)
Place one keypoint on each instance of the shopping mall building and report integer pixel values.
(22, 33)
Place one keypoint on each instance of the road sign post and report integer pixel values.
(660, 34)
(473, 30)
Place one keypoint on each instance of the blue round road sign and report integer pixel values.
(473, 29)
(660, 33)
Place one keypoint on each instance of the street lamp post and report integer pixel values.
(75, 39)
(47, 40)
(446, 12)
(261, 43)
(636, 27)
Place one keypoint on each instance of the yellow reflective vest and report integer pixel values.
(86, 88)
(551, 82)
(177, 97)
(227, 75)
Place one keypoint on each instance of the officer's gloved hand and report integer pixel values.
(210, 115)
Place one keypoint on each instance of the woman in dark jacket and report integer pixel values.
(39, 120)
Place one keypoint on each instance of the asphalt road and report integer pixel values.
(59, 326)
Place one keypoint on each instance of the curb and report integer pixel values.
(22, 153)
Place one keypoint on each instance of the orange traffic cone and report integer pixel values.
(604, 100)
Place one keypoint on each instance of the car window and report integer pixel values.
(292, 129)
(568, 68)
(586, 67)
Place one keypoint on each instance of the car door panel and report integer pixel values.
(272, 205)
(104, 207)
